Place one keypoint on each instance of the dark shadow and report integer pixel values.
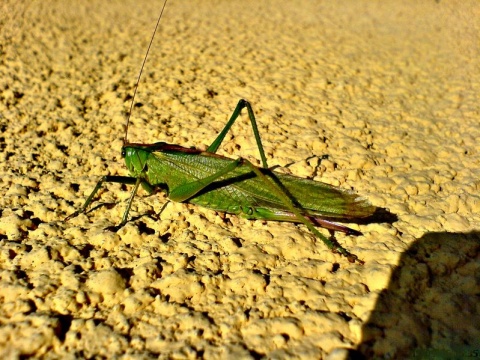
(431, 309)
(381, 215)
(63, 325)
(108, 205)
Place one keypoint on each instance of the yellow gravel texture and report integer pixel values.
(388, 90)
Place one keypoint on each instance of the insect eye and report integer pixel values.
(123, 152)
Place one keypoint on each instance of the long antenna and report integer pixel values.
(141, 71)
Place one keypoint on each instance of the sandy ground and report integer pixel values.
(388, 90)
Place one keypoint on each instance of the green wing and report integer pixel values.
(241, 192)
(327, 201)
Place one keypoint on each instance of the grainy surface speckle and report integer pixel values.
(388, 90)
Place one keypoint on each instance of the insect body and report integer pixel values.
(237, 186)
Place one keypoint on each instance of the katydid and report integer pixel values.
(235, 186)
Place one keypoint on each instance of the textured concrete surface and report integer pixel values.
(388, 90)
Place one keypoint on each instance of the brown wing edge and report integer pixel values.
(380, 215)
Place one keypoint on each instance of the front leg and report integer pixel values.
(128, 180)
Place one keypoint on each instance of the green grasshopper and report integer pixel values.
(235, 186)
